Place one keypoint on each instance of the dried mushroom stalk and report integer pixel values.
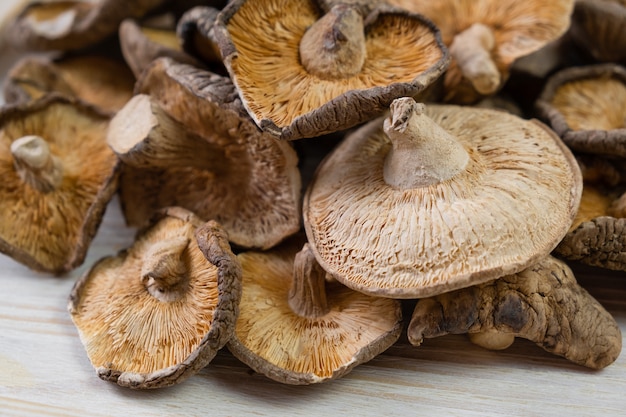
(58, 175)
(586, 106)
(344, 68)
(543, 303)
(159, 311)
(297, 328)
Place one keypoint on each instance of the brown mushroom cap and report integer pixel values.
(479, 194)
(510, 30)
(586, 106)
(401, 54)
(599, 27)
(253, 190)
(72, 24)
(286, 341)
(542, 303)
(101, 81)
(195, 32)
(158, 312)
(58, 174)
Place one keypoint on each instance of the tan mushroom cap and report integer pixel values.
(104, 82)
(477, 194)
(279, 335)
(58, 174)
(72, 24)
(542, 303)
(507, 30)
(251, 185)
(159, 311)
(376, 58)
(586, 106)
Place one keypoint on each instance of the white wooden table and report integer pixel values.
(44, 369)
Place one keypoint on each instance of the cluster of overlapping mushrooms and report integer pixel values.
(299, 171)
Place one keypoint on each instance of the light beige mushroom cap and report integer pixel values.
(159, 311)
(285, 346)
(510, 205)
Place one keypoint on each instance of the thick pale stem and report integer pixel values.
(307, 295)
(35, 164)
(164, 272)
(334, 46)
(472, 49)
(492, 340)
(422, 152)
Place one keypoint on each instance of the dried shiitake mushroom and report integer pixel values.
(297, 328)
(586, 106)
(158, 312)
(485, 37)
(72, 24)
(101, 81)
(542, 303)
(342, 68)
(58, 174)
(599, 28)
(439, 198)
(195, 31)
(192, 144)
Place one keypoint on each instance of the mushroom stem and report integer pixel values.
(334, 46)
(422, 152)
(307, 295)
(471, 49)
(35, 164)
(164, 272)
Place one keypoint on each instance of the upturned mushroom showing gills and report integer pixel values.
(58, 174)
(186, 140)
(159, 311)
(485, 37)
(599, 28)
(438, 198)
(542, 303)
(342, 68)
(586, 106)
(297, 328)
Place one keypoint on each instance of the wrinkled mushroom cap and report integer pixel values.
(256, 193)
(287, 347)
(51, 230)
(143, 337)
(261, 50)
(100, 81)
(511, 205)
(599, 27)
(586, 106)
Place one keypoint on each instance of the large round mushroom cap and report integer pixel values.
(508, 200)
(159, 311)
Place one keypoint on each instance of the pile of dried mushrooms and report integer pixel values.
(299, 170)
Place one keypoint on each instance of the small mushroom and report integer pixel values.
(58, 174)
(192, 144)
(485, 37)
(586, 106)
(303, 73)
(438, 198)
(297, 328)
(599, 28)
(71, 25)
(158, 312)
(101, 81)
(542, 303)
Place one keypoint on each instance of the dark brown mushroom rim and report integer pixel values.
(599, 111)
(361, 94)
(71, 25)
(599, 28)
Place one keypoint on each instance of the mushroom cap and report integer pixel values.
(256, 195)
(52, 231)
(72, 24)
(260, 48)
(275, 341)
(104, 82)
(586, 106)
(511, 205)
(599, 27)
(139, 340)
